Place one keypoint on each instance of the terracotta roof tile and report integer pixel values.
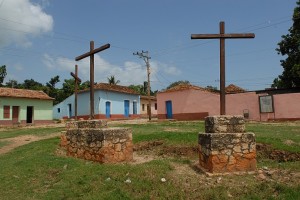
(182, 87)
(234, 89)
(146, 97)
(23, 93)
(115, 88)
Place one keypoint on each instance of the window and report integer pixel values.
(155, 106)
(58, 110)
(143, 107)
(6, 112)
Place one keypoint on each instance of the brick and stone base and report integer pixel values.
(92, 140)
(226, 147)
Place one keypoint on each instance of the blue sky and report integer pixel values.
(40, 39)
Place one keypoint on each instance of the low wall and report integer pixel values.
(93, 140)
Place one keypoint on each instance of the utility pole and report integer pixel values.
(145, 56)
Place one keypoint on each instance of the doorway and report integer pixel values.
(15, 114)
(29, 115)
(169, 109)
(126, 108)
(107, 109)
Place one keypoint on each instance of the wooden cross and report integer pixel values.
(77, 80)
(222, 36)
(91, 54)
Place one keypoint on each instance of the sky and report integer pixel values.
(40, 39)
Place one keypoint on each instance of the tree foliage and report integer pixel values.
(112, 80)
(289, 46)
(3, 74)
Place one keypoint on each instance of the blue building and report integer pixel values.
(110, 101)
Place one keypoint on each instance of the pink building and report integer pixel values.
(188, 102)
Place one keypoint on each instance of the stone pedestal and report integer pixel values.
(226, 147)
(93, 140)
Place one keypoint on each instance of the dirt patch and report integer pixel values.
(263, 151)
(22, 140)
(141, 146)
(267, 151)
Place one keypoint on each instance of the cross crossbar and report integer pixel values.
(225, 36)
(75, 77)
(102, 48)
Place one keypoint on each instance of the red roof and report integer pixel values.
(115, 88)
(234, 89)
(22, 93)
(182, 87)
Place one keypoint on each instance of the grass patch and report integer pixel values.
(277, 135)
(4, 143)
(34, 171)
(14, 132)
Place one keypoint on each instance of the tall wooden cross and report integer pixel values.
(91, 54)
(222, 36)
(77, 80)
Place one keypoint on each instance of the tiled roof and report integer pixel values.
(182, 87)
(115, 88)
(234, 89)
(146, 97)
(22, 93)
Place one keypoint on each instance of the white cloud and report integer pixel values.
(21, 19)
(129, 73)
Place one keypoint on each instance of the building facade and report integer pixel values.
(144, 106)
(188, 102)
(110, 102)
(19, 106)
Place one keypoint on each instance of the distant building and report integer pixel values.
(188, 102)
(145, 104)
(20, 106)
(110, 102)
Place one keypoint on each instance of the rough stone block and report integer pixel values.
(86, 124)
(225, 124)
(104, 145)
(227, 152)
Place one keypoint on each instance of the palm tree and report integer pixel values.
(112, 81)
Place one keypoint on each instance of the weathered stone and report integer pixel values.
(105, 145)
(225, 124)
(225, 147)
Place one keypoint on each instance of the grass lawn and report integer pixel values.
(14, 132)
(35, 171)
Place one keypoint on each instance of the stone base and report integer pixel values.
(227, 152)
(83, 139)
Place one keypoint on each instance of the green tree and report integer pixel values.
(178, 83)
(112, 81)
(2, 74)
(31, 84)
(290, 47)
(12, 84)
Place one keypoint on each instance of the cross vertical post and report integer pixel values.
(222, 36)
(91, 54)
(92, 81)
(77, 80)
(222, 71)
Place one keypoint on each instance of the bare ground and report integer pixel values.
(22, 140)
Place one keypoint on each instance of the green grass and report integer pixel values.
(14, 132)
(34, 171)
(277, 135)
(4, 143)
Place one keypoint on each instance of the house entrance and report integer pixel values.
(126, 108)
(169, 109)
(107, 109)
(29, 114)
(15, 114)
(70, 110)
